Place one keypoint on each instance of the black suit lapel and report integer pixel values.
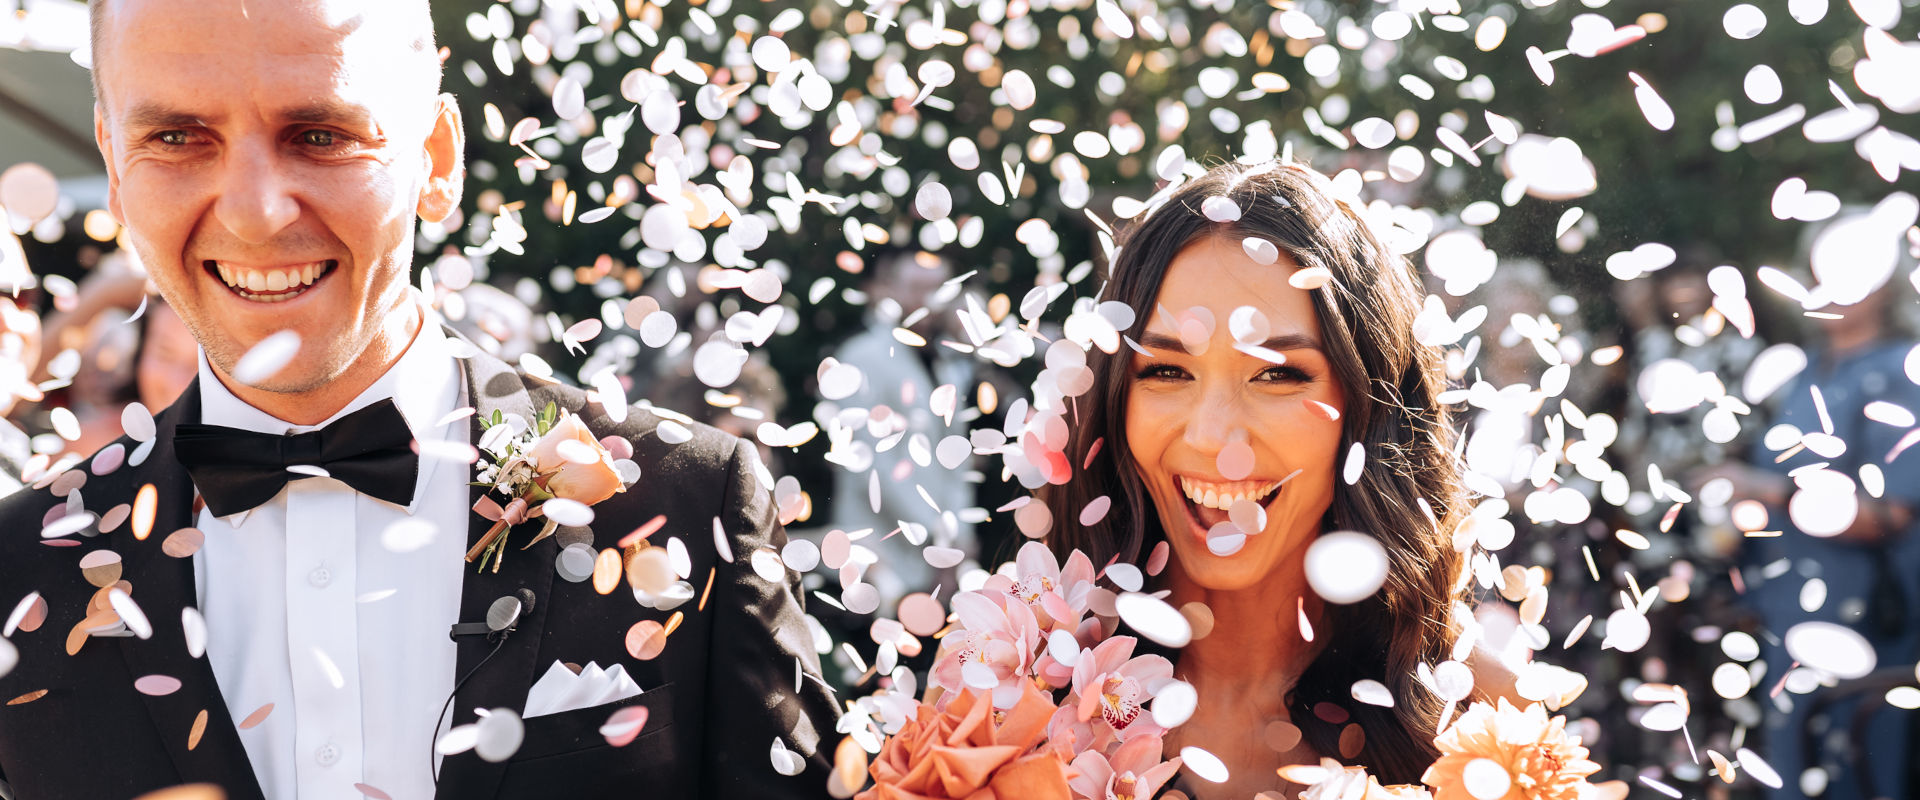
(505, 678)
(162, 587)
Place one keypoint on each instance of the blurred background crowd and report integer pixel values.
(1621, 290)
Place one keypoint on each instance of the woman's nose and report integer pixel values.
(1214, 421)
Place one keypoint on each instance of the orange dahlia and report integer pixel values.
(1506, 753)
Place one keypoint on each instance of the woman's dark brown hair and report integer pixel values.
(1392, 385)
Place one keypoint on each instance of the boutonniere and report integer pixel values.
(556, 458)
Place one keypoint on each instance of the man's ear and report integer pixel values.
(446, 167)
(103, 138)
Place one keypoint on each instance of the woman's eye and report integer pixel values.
(1284, 375)
(1162, 372)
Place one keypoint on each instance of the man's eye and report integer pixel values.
(318, 138)
(173, 138)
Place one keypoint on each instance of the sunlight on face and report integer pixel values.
(269, 160)
(1210, 425)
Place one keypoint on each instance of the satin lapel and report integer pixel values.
(504, 680)
(162, 587)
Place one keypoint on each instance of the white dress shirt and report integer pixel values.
(334, 606)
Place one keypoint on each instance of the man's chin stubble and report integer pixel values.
(283, 382)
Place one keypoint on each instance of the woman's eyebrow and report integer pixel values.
(1155, 340)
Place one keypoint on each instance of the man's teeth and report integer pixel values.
(256, 281)
(1222, 496)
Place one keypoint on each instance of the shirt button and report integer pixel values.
(320, 577)
(327, 755)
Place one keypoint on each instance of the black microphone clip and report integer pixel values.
(503, 617)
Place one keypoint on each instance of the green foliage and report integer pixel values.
(1673, 186)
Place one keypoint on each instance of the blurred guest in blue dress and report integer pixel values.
(1825, 552)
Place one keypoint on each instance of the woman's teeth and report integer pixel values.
(256, 284)
(1222, 496)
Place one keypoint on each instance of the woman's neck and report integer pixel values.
(1257, 647)
(1242, 670)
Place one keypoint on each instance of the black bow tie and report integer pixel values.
(370, 450)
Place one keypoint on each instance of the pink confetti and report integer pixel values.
(1622, 37)
(1087, 463)
(258, 716)
(1034, 520)
(1157, 561)
(585, 330)
(109, 459)
(835, 549)
(921, 614)
(1096, 510)
(1323, 411)
(1235, 461)
(641, 533)
(618, 447)
(1194, 336)
(624, 726)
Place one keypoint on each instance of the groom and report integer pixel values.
(292, 634)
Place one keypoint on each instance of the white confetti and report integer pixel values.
(267, 358)
(1356, 461)
(1154, 619)
(1835, 649)
(1204, 765)
(1345, 567)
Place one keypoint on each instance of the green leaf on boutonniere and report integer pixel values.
(548, 416)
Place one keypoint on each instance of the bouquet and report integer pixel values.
(1034, 696)
(1031, 697)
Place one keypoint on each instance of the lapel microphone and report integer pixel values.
(503, 618)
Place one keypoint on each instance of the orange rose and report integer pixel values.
(586, 483)
(970, 752)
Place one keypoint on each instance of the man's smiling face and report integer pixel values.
(269, 160)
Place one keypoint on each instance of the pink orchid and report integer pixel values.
(991, 650)
(1113, 684)
(1133, 772)
(1058, 596)
(1064, 649)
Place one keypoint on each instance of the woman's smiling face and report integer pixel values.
(1213, 422)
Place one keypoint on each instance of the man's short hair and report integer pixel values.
(97, 27)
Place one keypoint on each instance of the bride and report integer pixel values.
(1280, 340)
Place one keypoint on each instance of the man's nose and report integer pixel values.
(256, 199)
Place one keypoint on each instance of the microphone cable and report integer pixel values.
(499, 637)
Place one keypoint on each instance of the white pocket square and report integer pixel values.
(561, 690)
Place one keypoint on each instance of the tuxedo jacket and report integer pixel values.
(72, 727)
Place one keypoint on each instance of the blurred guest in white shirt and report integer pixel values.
(891, 483)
